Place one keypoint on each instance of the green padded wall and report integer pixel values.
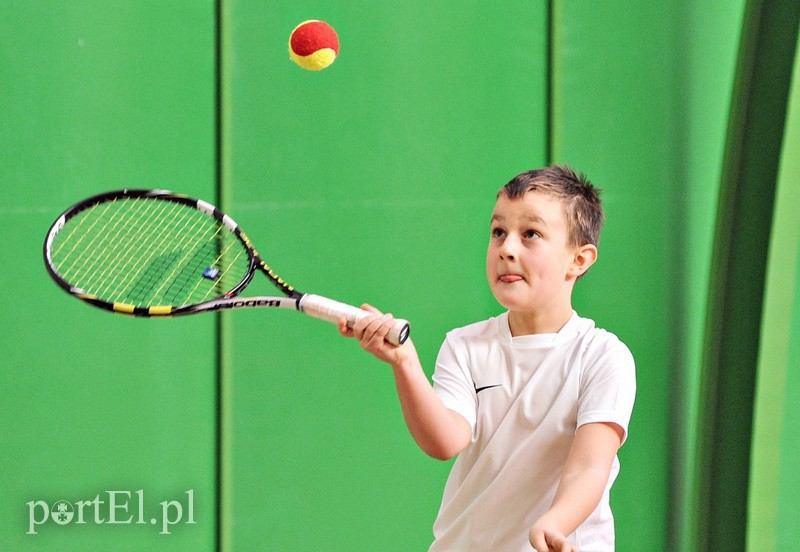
(640, 102)
(706, 43)
(371, 181)
(97, 95)
(773, 499)
(738, 273)
(787, 528)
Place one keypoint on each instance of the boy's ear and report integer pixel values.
(585, 256)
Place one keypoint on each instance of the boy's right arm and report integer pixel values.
(440, 432)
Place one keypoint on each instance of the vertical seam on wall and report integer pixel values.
(218, 317)
(548, 72)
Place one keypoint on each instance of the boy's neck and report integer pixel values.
(527, 323)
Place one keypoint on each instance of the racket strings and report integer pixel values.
(196, 245)
(146, 252)
(153, 259)
(232, 262)
(99, 259)
(120, 244)
(137, 251)
(105, 261)
(157, 259)
(78, 229)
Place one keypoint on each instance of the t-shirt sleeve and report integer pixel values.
(453, 383)
(608, 388)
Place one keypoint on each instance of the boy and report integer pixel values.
(535, 402)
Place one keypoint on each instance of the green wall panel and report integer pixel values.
(94, 96)
(372, 180)
(744, 222)
(773, 499)
(705, 46)
(788, 501)
(640, 102)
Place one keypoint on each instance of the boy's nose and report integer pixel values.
(507, 250)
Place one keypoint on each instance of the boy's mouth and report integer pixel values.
(510, 278)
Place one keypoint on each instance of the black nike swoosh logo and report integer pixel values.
(479, 389)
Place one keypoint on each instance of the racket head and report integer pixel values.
(148, 252)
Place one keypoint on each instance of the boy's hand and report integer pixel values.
(546, 537)
(371, 332)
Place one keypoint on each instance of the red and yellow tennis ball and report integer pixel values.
(313, 45)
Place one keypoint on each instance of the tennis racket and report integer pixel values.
(154, 253)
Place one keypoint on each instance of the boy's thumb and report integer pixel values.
(369, 308)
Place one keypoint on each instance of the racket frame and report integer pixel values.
(228, 300)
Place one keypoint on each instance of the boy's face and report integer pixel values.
(529, 265)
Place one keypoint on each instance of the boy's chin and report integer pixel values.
(520, 305)
(509, 304)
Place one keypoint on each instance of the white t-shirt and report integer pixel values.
(525, 397)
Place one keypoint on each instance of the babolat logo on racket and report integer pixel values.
(255, 302)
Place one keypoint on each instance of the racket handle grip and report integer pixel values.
(330, 310)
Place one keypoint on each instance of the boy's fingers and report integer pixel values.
(343, 329)
(377, 330)
(371, 331)
(360, 326)
(538, 540)
(559, 543)
(386, 326)
(374, 323)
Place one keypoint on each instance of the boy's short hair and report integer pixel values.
(582, 208)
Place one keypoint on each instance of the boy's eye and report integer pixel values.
(498, 233)
(530, 234)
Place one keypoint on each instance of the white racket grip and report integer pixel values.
(330, 310)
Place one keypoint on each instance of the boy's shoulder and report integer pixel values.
(595, 342)
(483, 328)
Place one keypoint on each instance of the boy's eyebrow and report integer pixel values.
(530, 218)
